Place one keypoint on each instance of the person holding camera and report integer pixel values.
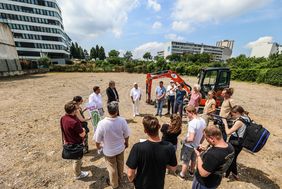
(212, 162)
(83, 120)
(237, 132)
(194, 138)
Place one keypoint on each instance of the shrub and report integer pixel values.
(192, 70)
(44, 62)
(245, 74)
(274, 76)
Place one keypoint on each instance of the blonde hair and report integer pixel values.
(197, 87)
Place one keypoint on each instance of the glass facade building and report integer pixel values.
(37, 27)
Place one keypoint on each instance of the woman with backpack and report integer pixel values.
(237, 132)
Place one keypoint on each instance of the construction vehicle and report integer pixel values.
(214, 78)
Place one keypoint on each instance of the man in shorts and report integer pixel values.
(193, 139)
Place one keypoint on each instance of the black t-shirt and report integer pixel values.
(216, 161)
(170, 137)
(150, 159)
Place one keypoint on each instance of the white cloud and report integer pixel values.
(92, 18)
(154, 5)
(193, 12)
(174, 37)
(261, 40)
(181, 26)
(152, 47)
(157, 25)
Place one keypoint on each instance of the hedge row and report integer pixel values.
(271, 76)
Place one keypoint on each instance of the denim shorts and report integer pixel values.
(187, 154)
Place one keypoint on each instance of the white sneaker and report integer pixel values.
(134, 115)
(82, 175)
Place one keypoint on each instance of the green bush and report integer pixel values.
(261, 75)
(245, 74)
(44, 62)
(192, 70)
(274, 76)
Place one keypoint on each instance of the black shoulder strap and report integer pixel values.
(63, 133)
(244, 121)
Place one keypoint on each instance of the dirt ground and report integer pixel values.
(30, 137)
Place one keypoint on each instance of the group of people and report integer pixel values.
(175, 95)
(149, 160)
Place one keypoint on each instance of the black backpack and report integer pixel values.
(255, 136)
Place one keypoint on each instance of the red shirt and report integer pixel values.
(72, 128)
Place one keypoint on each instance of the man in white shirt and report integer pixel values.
(171, 88)
(194, 138)
(135, 95)
(113, 132)
(96, 99)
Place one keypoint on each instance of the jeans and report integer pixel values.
(178, 107)
(115, 168)
(170, 103)
(238, 148)
(197, 185)
(160, 104)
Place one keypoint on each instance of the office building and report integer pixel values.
(217, 52)
(265, 49)
(37, 28)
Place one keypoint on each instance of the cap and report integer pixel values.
(134, 83)
(171, 81)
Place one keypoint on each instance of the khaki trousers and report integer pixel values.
(77, 167)
(115, 168)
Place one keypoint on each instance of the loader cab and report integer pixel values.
(213, 79)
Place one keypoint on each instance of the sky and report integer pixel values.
(145, 25)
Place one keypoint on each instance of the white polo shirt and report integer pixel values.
(135, 93)
(112, 132)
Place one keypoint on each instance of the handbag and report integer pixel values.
(71, 151)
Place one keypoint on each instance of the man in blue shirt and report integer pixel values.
(160, 96)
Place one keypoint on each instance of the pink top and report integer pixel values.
(195, 98)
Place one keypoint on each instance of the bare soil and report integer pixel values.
(30, 137)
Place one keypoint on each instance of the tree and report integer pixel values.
(97, 51)
(147, 56)
(80, 53)
(113, 53)
(128, 55)
(174, 57)
(86, 55)
(101, 53)
(76, 51)
(93, 53)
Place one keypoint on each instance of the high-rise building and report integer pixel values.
(265, 49)
(227, 47)
(37, 27)
(174, 47)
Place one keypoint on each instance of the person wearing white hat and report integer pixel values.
(171, 88)
(135, 95)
